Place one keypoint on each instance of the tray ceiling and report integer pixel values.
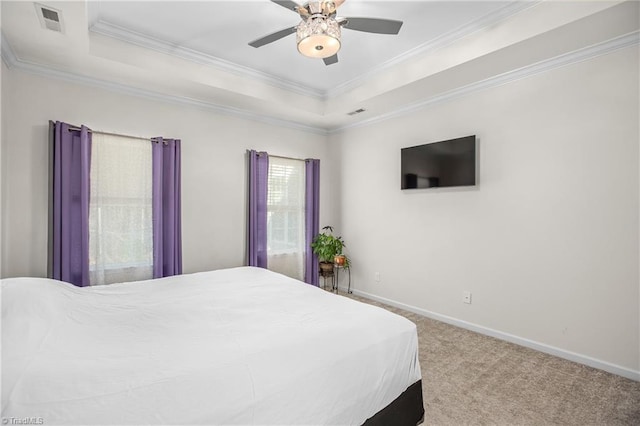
(197, 52)
(221, 31)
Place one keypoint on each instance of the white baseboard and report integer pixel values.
(551, 350)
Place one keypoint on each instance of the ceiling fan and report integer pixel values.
(318, 34)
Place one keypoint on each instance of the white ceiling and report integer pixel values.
(197, 52)
(223, 29)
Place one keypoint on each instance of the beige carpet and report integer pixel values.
(469, 379)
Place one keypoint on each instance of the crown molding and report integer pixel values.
(580, 55)
(12, 61)
(440, 42)
(114, 31)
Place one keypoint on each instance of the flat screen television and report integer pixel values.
(440, 164)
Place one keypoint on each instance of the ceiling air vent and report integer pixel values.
(358, 111)
(50, 18)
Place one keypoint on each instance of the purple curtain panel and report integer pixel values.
(70, 210)
(257, 215)
(167, 212)
(312, 219)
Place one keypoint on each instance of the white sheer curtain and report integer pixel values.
(120, 215)
(285, 217)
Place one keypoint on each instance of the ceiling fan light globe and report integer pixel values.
(319, 46)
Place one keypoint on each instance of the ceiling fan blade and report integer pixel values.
(373, 25)
(331, 60)
(291, 5)
(272, 37)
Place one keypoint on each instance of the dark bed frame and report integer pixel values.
(405, 410)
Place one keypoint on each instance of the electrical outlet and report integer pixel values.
(377, 277)
(466, 297)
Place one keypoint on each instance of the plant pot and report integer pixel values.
(326, 268)
(340, 259)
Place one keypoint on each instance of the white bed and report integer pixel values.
(234, 346)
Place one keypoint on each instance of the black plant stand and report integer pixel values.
(337, 268)
(334, 274)
(325, 275)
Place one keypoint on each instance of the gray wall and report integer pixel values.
(3, 168)
(213, 166)
(547, 242)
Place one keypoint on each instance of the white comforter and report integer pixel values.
(234, 346)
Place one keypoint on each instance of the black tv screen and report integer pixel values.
(440, 164)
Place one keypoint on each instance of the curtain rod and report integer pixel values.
(285, 158)
(77, 129)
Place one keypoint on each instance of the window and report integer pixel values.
(285, 216)
(120, 210)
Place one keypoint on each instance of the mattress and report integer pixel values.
(233, 346)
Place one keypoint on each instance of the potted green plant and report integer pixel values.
(327, 247)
